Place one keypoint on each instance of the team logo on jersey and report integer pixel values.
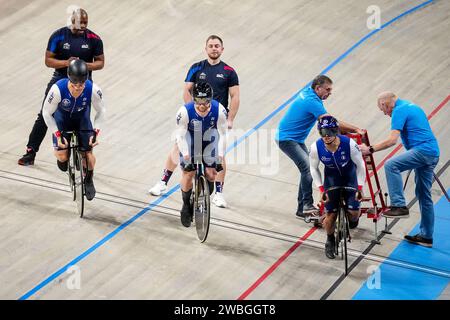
(66, 103)
(357, 147)
(213, 121)
(85, 46)
(66, 46)
(100, 94)
(220, 75)
(323, 159)
(178, 118)
(50, 98)
(202, 76)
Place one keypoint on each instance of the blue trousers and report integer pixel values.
(423, 166)
(300, 155)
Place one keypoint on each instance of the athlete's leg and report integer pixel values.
(91, 160)
(353, 209)
(219, 200)
(186, 191)
(38, 131)
(173, 158)
(171, 163)
(62, 155)
(329, 223)
(220, 177)
(211, 176)
(186, 181)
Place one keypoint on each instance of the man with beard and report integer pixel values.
(224, 81)
(65, 44)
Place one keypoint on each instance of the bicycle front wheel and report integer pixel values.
(344, 239)
(202, 209)
(71, 171)
(79, 183)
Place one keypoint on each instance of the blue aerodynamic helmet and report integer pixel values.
(328, 126)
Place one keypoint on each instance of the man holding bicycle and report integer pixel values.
(65, 44)
(201, 130)
(225, 83)
(67, 107)
(344, 167)
(410, 123)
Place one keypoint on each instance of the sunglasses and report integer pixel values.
(202, 101)
(330, 132)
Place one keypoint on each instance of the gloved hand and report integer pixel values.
(189, 167)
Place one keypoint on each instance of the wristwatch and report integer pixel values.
(371, 150)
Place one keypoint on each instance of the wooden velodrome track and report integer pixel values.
(277, 47)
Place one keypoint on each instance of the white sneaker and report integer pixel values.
(158, 189)
(219, 201)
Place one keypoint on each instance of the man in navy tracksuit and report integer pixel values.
(64, 45)
(224, 82)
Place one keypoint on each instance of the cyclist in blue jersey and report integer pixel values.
(225, 84)
(65, 44)
(67, 108)
(294, 129)
(344, 167)
(201, 130)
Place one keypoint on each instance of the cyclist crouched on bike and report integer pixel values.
(67, 107)
(344, 167)
(201, 132)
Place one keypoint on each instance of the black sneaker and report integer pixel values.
(353, 224)
(329, 248)
(186, 215)
(421, 241)
(89, 189)
(310, 210)
(28, 158)
(397, 212)
(63, 165)
(299, 214)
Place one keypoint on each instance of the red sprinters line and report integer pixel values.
(311, 231)
(439, 107)
(397, 148)
(276, 264)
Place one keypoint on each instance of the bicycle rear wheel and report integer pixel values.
(202, 208)
(79, 183)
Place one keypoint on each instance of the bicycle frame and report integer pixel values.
(76, 181)
(342, 228)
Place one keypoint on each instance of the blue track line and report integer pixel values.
(235, 144)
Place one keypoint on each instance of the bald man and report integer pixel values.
(409, 122)
(65, 44)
